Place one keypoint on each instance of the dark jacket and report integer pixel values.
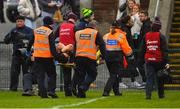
(82, 24)
(163, 46)
(128, 34)
(44, 6)
(16, 37)
(146, 27)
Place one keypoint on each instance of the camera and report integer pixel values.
(21, 52)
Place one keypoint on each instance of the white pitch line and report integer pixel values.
(78, 104)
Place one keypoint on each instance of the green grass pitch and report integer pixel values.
(130, 99)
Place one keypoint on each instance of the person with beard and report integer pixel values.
(145, 28)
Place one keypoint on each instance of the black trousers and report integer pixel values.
(151, 74)
(41, 67)
(29, 79)
(86, 72)
(113, 81)
(16, 65)
(67, 73)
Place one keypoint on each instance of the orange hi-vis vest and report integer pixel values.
(117, 42)
(41, 42)
(85, 43)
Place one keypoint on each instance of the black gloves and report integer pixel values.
(131, 59)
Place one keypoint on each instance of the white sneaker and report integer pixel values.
(135, 84)
(122, 85)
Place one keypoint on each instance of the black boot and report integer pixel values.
(81, 94)
(53, 95)
(105, 93)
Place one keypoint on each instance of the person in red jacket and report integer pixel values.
(154, 50)
(66, 34)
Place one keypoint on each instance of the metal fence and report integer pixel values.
(5, 65)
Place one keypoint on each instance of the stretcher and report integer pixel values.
(67, 64)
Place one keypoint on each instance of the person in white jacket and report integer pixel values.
(137, 23)
(125, 8)
(30, 10)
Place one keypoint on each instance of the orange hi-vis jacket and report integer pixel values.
(41, 42)
(85, 43)
(117, 42)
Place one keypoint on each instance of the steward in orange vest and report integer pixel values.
(44, 54)
(87, 41)
(116, 47)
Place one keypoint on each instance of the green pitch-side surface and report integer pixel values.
(130, 98)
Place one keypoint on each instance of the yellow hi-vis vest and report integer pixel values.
(41, 42)
(85, 43)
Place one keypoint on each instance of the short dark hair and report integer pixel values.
(47, 20)
(20, 18)
(125, 19)
(145, 12)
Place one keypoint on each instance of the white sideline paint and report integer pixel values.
(78, 104)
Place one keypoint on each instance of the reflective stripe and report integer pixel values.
(85, 53)
(120, 37)
(42, 41)
(91, 41)
(113, 49)
(42, 49)
(43, 32)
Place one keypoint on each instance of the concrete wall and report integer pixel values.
(164, 11)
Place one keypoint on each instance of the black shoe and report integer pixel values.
(161, 96)
(105, 94)
(44, 96)
(27, 93)
(81, 94)
(74, 92)
(14, 90)
(118, 94)
(148, 97)
(53, 95)
(68, 94)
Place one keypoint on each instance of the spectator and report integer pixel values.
(126, 25)
(125, 8)
(74, 5)
(49, 7)
(135, 30)
(2, 19)
(31, 11)
(154, 50)
(20, 37)
(146, 27)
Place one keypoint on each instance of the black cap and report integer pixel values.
(20, 18)
(116, 24)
